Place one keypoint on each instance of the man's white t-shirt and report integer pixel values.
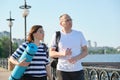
(74, 41)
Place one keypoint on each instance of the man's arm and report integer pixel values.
(83, 54)
(80, 56)
(53, 53)
(56, 54)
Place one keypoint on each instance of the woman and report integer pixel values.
(39, 67)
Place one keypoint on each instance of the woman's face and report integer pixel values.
(39, 34)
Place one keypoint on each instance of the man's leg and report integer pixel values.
(58, 75)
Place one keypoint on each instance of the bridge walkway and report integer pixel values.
(4, 74)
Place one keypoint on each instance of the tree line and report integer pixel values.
(103, 50)
(5, 47)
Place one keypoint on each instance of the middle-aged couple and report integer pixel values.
(72, 47)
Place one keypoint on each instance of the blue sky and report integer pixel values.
(99, 20)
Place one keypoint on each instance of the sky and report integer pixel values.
(98, 20)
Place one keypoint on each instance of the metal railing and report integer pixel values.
(4, 63)
(93, 71)
(102, 71)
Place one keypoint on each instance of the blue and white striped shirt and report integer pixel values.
(37, 67)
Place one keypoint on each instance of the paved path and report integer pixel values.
(4, 74)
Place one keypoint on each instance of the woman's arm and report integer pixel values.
(12, 60)
(21, 63)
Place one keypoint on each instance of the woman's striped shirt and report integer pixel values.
(38, 64)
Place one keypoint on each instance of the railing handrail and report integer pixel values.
(110, 69)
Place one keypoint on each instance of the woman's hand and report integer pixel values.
(23, 63)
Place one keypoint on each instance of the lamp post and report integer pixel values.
(25, 13)
(10, 24)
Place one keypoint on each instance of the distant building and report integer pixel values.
(4, 33)
(118, 48)
(89, 43)
(14, 40)
(95, 44)
(18, 41)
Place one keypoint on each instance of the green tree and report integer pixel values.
(14, 46)
(103, 50)
(4, 47)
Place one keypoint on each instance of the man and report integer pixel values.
(72, 48)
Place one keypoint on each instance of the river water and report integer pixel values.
(102, 58)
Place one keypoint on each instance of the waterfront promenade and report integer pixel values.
(96, 67)
(4, 74)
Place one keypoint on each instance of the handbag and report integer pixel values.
(55, 60)
(54, 63)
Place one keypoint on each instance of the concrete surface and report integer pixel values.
(4, 74)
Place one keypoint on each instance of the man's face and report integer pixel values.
(66, 21)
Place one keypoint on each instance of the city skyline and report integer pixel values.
(99, 20)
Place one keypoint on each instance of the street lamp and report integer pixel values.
(25, 13)
(10, 24)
